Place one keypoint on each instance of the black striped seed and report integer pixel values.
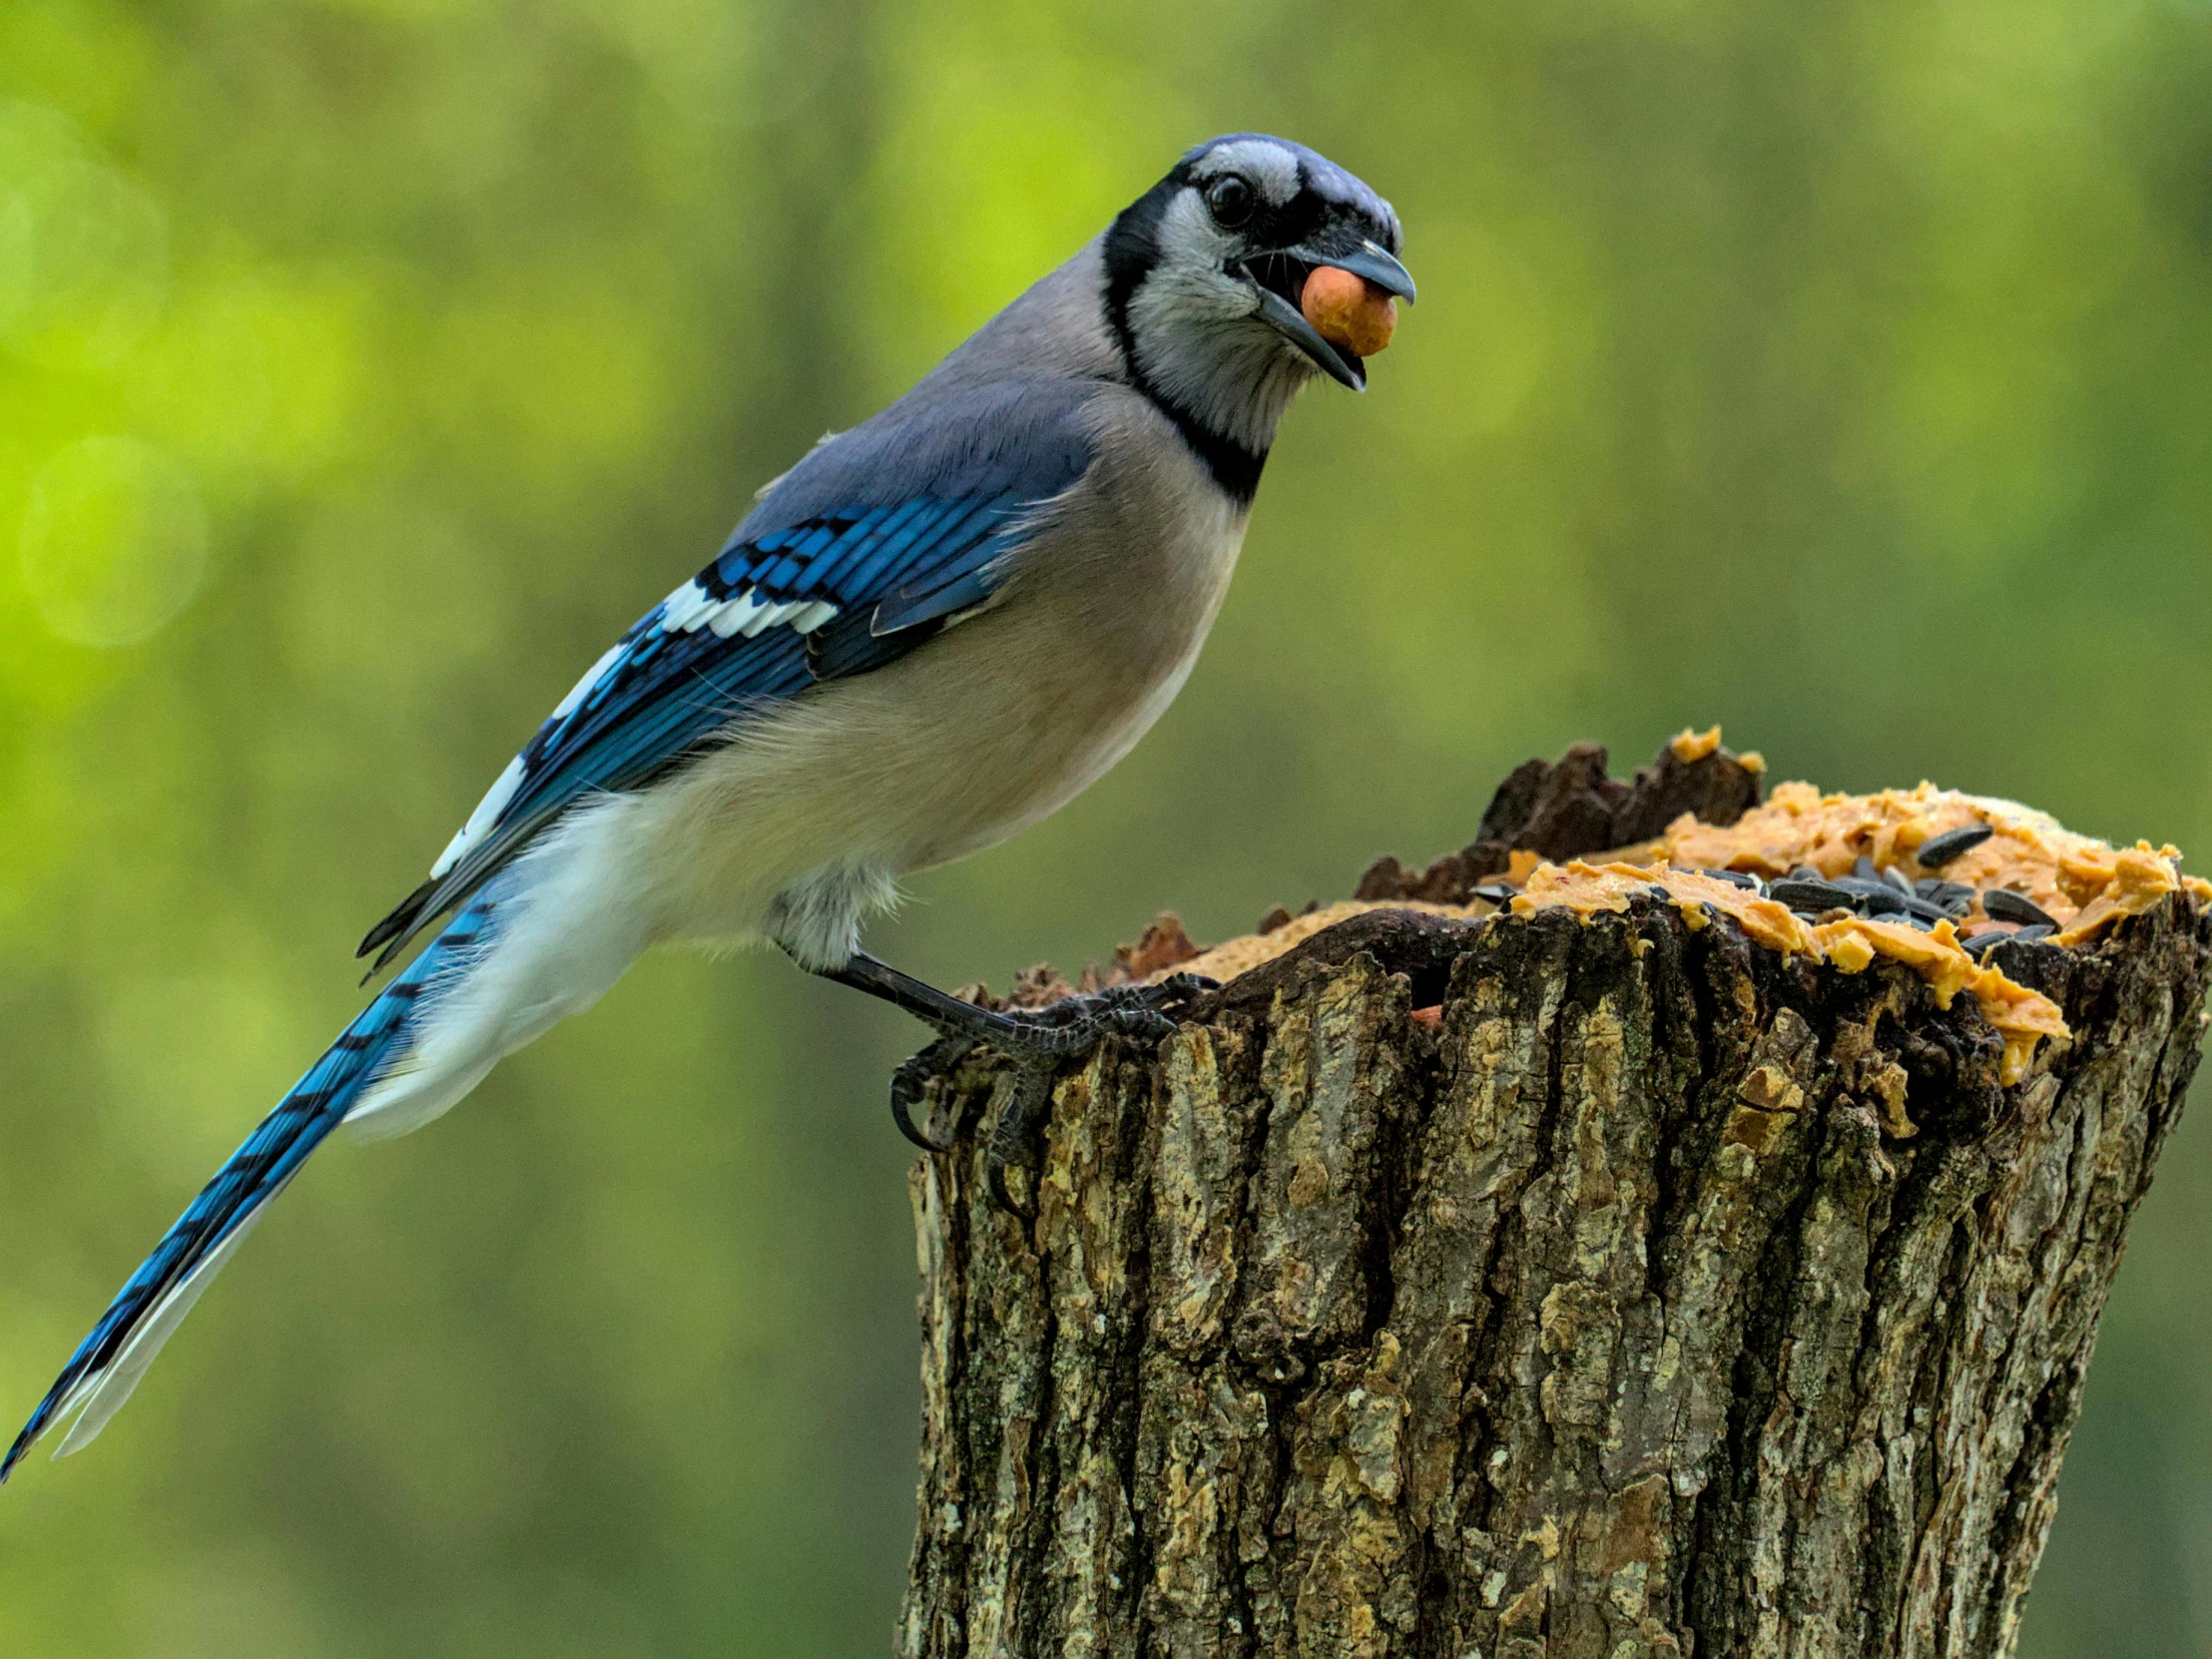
(1898, 879)
(2004, 904)
(2041, 930)
(1802, 894)
(1938, 850)
(1875, 898)
(1734, 878)
(1936, 890)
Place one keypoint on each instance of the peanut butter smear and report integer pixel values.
(2021, 1016)
(2084, 884)
(1688, 744)
(1695, 745)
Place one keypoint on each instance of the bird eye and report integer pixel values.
(1229, 199)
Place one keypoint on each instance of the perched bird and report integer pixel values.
(935, 630)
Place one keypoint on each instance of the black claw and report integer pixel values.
(910, 1081)
(1188, 984)
(1003, 1195)
(1014, 1139)
(1037, 1041)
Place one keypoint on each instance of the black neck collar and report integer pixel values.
(1130, 251)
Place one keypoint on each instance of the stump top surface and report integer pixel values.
(2084, 885)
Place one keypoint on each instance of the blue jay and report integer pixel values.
(934, 631)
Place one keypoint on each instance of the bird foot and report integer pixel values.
(1077, 1024)
(1038, 1041)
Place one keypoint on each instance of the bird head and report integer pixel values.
(1251, 265)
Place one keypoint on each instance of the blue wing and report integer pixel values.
(863, 551)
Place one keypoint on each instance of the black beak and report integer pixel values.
(1289, 322)
(1289, 265)
(1369, 260)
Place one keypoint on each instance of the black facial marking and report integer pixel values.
(1132, 248)
(1330, 208)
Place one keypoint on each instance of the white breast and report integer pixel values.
(1177, 613)
(984, 730)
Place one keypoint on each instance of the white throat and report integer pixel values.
(1199, 341)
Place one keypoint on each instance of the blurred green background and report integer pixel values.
(1837, 370)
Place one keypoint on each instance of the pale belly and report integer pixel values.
(1047, 781)
(979, 734)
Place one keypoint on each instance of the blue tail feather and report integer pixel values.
(261, 1167)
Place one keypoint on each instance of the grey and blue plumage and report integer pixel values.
(857, 556)
(931, 632)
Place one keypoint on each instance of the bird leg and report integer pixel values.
(1037, 1040)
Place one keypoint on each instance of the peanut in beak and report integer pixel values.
(1347, 310)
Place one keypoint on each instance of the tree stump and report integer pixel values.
(1656, 1293)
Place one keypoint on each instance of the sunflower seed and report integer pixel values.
(1863, 867)
(1952, 896)
(1497, 893)
(2028, 935)
(1875, 898)
(1938, 850)
(2004, 904)
(1898, 879)
(1734, 878)
(1978, 946)
(1803, 893)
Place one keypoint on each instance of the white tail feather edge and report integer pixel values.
(102, 1394)
(563, 943)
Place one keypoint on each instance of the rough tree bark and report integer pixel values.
(1668, 1296)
